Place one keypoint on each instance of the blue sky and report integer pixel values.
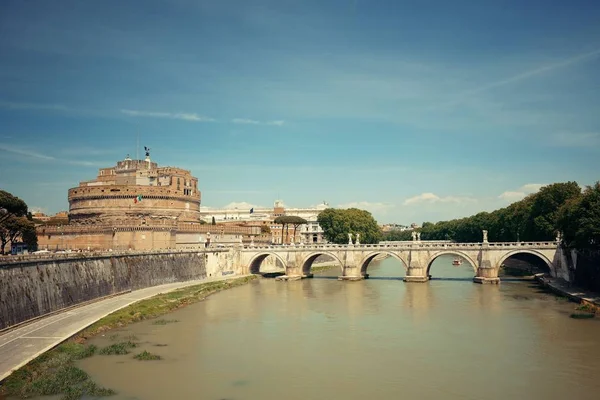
(413, 110)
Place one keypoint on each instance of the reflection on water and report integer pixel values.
(377, 339)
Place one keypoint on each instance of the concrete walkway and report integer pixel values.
(564, 288)
(22, 344)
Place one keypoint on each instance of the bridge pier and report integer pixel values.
(415, 272)
(486, 274)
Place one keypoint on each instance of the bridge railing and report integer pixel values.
(405, 245)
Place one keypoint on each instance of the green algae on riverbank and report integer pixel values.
(55, 373)
(160, 305)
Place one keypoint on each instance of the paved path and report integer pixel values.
(20, 345)
(565, 288)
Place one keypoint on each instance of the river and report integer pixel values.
(375, 339)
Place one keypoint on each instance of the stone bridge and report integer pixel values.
(417, 257)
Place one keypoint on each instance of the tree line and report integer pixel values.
(559, 207)
(16, 224)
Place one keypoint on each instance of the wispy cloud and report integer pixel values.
(255, 122)
(182, 116)
(430, 198)
(25, 152)
(523, 76)
(515, 195)
(575, 139)
(32, 106)
(45, 157)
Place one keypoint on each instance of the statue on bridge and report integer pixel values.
(418, 236)
(558, 237)
(414, 236)
(357, 238)
(349, 238)
(485, 238)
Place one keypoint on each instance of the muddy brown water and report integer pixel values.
(376, 339)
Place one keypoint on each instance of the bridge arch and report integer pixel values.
(364, 263)
(308, 261)
(256, 261)
(536, 253)
(454, 253)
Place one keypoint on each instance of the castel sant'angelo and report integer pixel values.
(134, 205)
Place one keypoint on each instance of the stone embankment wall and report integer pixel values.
(34, 286)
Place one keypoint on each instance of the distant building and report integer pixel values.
(308, 233)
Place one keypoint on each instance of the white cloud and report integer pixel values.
(515, 195)
(429, 198)
(182, 116)
(255, 122)
(374, 207)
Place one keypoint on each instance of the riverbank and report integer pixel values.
(54, 371)
(573, 293)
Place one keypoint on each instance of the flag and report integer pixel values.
(251, 210)
(137, 198)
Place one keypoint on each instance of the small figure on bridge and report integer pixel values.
(357, 238)
(485, 238)
(418, 236)
(414, 235)
(349, 238)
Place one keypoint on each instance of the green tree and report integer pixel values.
(213, 222)
(337, 223)
(579, 219)
(397, 235)
(286, 221)
(11, 205)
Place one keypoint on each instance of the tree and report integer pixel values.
(397, 235)
(14, 228)
(286, 221)
(13, 218)
(213, 222)
(264, 229)
(338, 223)
(579, 219)
(11, 205)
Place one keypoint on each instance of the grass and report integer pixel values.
(145, 356)
(118, 348)
(164, 321)
(55, 373)
(320, 268)
(160, 305)
(582, 315)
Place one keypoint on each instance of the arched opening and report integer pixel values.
(524, 263)
(383, 265)
(452, 265)
(323, 264)
(267, 264)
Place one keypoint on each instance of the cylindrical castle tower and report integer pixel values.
(136, 192)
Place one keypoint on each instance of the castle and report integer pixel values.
(137, 205)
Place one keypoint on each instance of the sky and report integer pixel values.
(415, 111)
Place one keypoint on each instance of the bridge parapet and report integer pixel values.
(408, 246)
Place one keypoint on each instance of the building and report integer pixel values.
(137, 205)
(259, 216)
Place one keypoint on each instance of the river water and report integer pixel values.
(375, 339)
